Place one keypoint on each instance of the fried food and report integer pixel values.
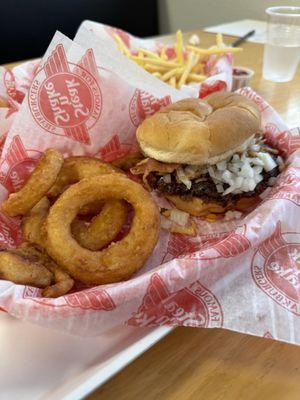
(24, 267)
(177, 65)
(93, 235)
(34, 232)
(37, 185)
(128, 161)
(29, 265)
(110, 215)
(103, 228)
(63, 282)
(120, 259)
(76, 168)
(92, 208)
(32, 223)
(79, 185)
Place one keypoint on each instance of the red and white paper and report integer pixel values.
(101, 38)
(241, 275)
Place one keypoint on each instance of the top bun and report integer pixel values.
(193, 131)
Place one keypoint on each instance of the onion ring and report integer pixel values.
(28, 265)
(37, 185)
(103, 228)
(92, 208)
(63, 282)
(119, 260)
(76, 168)
(111, 215)
(24, 267)
(32, 223)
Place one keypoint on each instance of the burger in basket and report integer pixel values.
(207, 156)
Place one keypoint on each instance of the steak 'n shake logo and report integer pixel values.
(17, 165)
(260, 102)
(276, 269)
(144, 104)
(89, 299)
(11, 89)
(285, 141)
(64, 101)
(287, 187)
(193, 306)
(10, 234)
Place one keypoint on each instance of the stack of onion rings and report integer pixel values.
(73, 210)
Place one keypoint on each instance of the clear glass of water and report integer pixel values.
(282, 49)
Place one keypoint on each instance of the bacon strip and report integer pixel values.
(149, 165)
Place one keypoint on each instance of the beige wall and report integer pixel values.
(190, 14)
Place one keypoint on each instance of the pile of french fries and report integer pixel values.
(185, 68)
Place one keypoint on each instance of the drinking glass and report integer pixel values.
(282, 48)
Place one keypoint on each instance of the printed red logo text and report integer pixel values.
(64, 101)
(144, 104)
(17, 165)
(192, 306)
(10, 234)
(276, 269)
(10, 84)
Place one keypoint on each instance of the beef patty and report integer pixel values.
(206, 188)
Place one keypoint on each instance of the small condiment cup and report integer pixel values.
(241, 76)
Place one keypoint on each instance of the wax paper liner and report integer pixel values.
(241, 275)
(14, 85)
(218, 69)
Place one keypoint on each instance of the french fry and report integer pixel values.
(157, 75)
(170, 64)
(140, 61)
(192, 60)
(219, 40)
(187, 67)
(149, 53)
(179, 47)
(121, 45)
(214, 50)
(158, 62)
(172, 82)
(198, 68)
(196, 77)
(172, 72)
(163, 54)
(155, 68)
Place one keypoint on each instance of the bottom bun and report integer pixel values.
(199, 208)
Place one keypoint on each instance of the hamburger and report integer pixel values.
(207, 156)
